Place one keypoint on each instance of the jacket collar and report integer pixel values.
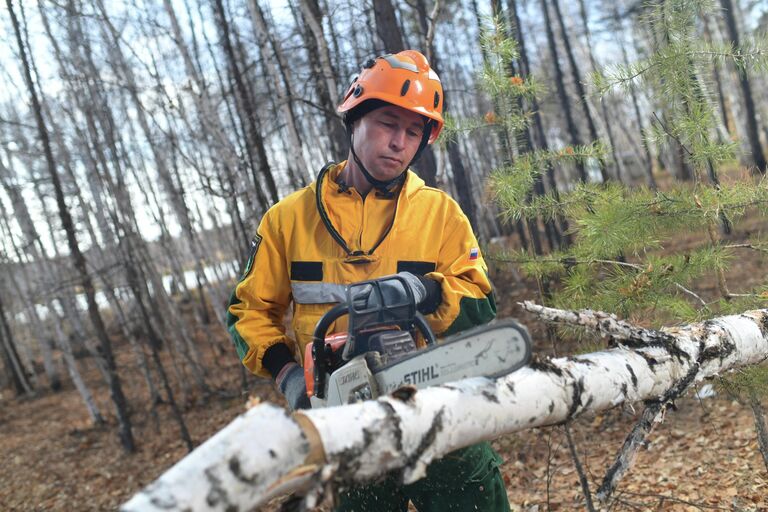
(412, 182)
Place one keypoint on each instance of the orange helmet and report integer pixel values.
(403, 79)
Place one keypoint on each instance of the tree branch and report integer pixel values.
(320, 449)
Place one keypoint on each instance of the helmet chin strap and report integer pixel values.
(384, 187)
(388, 187)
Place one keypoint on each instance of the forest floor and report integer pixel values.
(703, 456)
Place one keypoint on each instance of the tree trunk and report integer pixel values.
(11, 359)
(154, 341)
(315, 450)
(247, 114)
(211, 123)
(562, 95)
(105, 344)
(603, 107)
(576, 77)
(750, 112)
(324, 74)
(758, 412)
(391, 34)
(24, 220)
(387, 27)
(278, 69)
(649, 179)
(723, 128)
(555, 230)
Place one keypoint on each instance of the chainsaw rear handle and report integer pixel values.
(319, 348)
(319, 356)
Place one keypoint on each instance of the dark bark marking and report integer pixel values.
(163, 501)
(578, 389)
(404, 393)
(490, 396)
(624, 389)
(426, 442)
(659, 340)
(349, 460)
(217, 494)
(720, 351)
(511, 387)
(632, 375)
(532, 419)
(237, 470)
(164, 505)
(578, 359)
(544, 365)
(650, 360)
(551, 406)
(763, 325)
(272, 453)
(394, 419)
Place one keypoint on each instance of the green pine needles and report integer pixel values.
(619, 258)
(653, 256)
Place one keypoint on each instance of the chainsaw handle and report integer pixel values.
(318, 344)
(420, 322)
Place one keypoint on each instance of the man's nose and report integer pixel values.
(397, 141)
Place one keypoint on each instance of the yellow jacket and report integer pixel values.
(296, 258)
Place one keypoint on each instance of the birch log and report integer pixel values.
(265, 452)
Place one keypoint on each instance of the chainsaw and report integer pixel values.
(379, 353)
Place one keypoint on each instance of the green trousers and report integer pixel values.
(464, 480)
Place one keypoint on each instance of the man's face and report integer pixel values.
(387, 139)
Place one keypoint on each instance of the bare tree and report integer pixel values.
(323, 73)
(11, 359)
(750, 112)
(562, 95)
(576, 79)
(105, 344)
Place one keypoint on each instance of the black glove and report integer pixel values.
(290, 382)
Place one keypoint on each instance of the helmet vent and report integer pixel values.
(369, 64)
(437, 99)
(406, 85)
(357, 92)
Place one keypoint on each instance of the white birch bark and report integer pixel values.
(403, 432)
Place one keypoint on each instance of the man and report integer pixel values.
(366, 218)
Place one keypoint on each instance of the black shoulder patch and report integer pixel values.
(255, 243)
(306, 271)
(416, 267)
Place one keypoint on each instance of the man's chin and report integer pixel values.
(386, 173)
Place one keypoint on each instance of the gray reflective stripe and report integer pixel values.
(398, 64)
(318, 293)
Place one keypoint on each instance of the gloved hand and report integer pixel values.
(290, 382)
(426, 292)
(417, 287)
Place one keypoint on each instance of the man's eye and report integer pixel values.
(413, 133)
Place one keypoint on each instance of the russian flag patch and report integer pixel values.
(474, 253)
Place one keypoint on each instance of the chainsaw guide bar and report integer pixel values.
(488, 351)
